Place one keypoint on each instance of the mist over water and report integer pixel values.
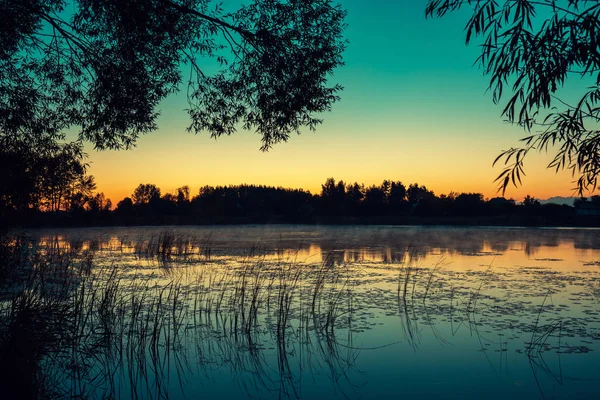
(373, 241)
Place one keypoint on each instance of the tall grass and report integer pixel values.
(73, 324)
(70, 328)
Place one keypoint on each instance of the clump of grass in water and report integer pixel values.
(35, 319)
(165, 245)
(13, 253)
(169, 246)
(106, 334)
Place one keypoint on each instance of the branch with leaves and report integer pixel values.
(104, 66)
(530, 49)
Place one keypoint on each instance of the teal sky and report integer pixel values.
(414, 109)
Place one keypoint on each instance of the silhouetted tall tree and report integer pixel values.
(145, 194)
(397, 196)
(375, 201)
(531, 202)
(416, 193)
(183, 195)
(529, 49)
(333, 197)
(355, 194)
(18, 178)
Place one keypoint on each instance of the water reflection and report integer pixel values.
(340, 244)
(348, 312)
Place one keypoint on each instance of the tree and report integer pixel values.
(468, 204)
(52, 178)
(333, 196)
(375, 199)
(531, 202)
(145, 194)
(331, 189)
(416, 194)
(530, 49)
(355, 193)
(125, 206)
(183, 195)
(103, 66)
(17, 179)
(397, 195)
(99, 203)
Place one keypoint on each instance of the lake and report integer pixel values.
(287, 311)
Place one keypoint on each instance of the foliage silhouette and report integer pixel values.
(338, 203)
(52, 178)
(104, 66)
(145, 194)
(529, 49)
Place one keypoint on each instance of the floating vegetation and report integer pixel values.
(591, 263)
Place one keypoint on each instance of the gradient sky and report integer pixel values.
(414, 109)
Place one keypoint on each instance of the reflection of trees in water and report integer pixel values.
(348, 244)
(500, 246)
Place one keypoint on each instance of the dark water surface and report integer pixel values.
(335, 312)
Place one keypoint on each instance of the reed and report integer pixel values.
(99, 329)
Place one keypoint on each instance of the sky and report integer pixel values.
(414, 109)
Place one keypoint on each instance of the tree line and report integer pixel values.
(73, 202)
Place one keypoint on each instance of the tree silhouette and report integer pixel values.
(52, 178)
(387, 203)
(355, 193)
(466, 204)
(183, 195)
(375, 199)
(103, 66)
(99, 203)
(125, 206)
(397, 195)
(416, 194)
(531, 202)
(145, 194)
(333, 196)
(529, 49)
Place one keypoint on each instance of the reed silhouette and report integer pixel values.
(154, 316)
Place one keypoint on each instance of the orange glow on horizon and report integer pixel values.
(539, 190)
(443, 150)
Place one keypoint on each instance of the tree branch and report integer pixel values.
(186, 10)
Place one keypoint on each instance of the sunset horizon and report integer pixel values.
(414, 108)
(117, 195)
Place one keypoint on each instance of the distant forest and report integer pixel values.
(391, 202)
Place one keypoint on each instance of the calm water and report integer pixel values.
(343, 312)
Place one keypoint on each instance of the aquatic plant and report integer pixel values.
(114, 320)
